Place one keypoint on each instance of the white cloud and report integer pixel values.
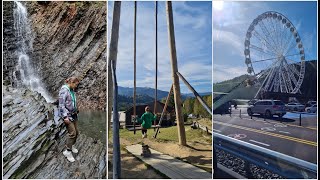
(222, 72)
(229, 38)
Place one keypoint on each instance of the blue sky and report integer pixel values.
(230, 24)
(193, 33)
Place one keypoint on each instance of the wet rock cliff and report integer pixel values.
(69, 40)
(33, 141)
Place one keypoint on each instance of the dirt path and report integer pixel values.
(196, 153)
(131, 167)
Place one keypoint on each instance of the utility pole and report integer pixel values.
(175, 78)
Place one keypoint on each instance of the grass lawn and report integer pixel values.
(205, 122)
(169, 134)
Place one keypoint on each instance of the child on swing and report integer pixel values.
(146, 121)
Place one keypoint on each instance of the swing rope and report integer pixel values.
(156, 78)
(134, 67)
(134, 64)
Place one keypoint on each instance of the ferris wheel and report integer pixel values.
(274, 54)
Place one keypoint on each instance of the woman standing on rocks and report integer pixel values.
(68, 112)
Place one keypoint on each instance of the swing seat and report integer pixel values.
(138, 128)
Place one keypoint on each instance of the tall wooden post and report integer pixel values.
(113, 50)
(175, 78)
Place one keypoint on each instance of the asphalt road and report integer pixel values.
(284, 136)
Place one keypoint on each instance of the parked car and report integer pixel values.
(310, 103)
(312, 109)
(295, 107)
(267, 108)
(252, 101)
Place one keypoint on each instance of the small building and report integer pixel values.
(168, 119)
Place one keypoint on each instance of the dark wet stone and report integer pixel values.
(33, 144)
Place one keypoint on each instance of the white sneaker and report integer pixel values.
(74, 150)
(68, 155)
(144, 136)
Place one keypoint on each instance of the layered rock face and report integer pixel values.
(9, 43)
(33, 141)
(69, 40)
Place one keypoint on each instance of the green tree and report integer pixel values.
(171, 100)
(197, 107)
(188, 106)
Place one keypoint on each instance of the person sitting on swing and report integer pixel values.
(146, 121)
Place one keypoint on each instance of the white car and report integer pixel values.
(312, 109)
(310, 103)
(295, 107)
(268, 108)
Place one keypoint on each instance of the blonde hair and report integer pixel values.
(72, 80)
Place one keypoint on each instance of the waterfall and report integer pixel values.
(24, 74)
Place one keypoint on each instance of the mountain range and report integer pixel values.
(146, 94)
(150, 92)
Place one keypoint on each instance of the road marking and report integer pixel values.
(259, 142)
(217, 130)
(287, 124)
(237, 136)
(280, 125)
(267, 123)
(268, 129)
(311, 143)
(284, 132)
(313, 128)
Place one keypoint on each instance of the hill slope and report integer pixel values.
(308, 86)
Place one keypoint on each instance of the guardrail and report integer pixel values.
(278, 163)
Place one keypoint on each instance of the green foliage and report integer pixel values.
(188, 105)
(171, 101)
(196, 107)
(193, 106)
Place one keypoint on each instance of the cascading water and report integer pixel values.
(24, 74)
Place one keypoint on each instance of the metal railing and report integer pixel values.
(275, 162)
(115, 126)
(297, 112)
(280, 117)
